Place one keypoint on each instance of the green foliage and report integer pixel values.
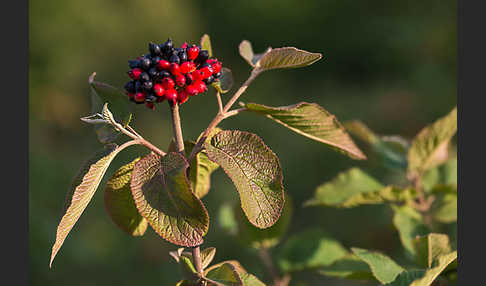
(286, 57)
(225, 81)
(348, 267)
(309, 249)
(163, 196)
(429, 247)
(409, 224)
(246, 51)
(383, 268)
(224, 275)
(311, 121)
(255, 171)
(119, 202)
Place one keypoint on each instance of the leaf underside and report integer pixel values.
(255, 171)
(163, 196)
(314, 122)
(82, 190)
(119, 202)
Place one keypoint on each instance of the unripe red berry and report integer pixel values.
(163, 65)
(175, 69)
(159, 89)
(191, 90)
(216, 67)
(184, 45)
(192, 52)
(140, 97)
(171, 95)
(182, 96)
(180, 80)
(200, 86)
(187, 67)
(168, 83)
(135, 73)
(206, 72)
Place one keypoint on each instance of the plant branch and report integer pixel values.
(220, 102)
(196, 257)
(222, 114)
(176, 127)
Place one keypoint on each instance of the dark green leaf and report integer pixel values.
(409, 224)
(286, 57)
(119, 202)
(163, 196)
(311, 121)
(250, 280)
(255, 171)
(309, 249)
(383, 267)
(348, 267)
(429, 147)
(444, 206)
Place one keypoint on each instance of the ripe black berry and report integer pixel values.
(146, 63)
(154, 49)
(174, 59)
(130, 87)
(209, 80)
(153, 72)
(134, 64)
(144, 76)
(151, 98)
(202, 57)
(182, 56)
(167, 46)
(147, 86)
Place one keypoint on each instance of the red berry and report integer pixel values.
(150, 105)
(171, 95)
(200, 86)
(192, 53)
(159, 89)
(182, 96)
(163, 65)
(191, 90)
(180, 80)
(168, 83)
(131, 95)
(216, 67)
(175, 69)
(160, 98)
(206, 72)
(135, 73)
(139, 96)
(187, 67)
(197, 75)
(189, 78)
(184, 45)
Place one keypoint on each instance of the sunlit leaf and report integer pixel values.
(255, 171)
(429, 247)
(311, 121)
(409, 224)
(286, 57)
(206, 44)
(224, 275)
(383, 267)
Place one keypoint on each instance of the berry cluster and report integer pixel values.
(170, 73)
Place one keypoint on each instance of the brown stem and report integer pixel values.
(270, 267)
(424, 203)
(223, 114)
(176, 127)
(196, 256)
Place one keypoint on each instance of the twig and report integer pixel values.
(196, 256)
(220, 102)
(176, 127)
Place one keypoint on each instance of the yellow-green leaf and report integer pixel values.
(224, 275)
(206, 44)
(429, 147)
(119, 202)
(311, 121)
(383, 267)
(409, 224)
(429, 247)
(255, 171)
(286, 57)
(163, 196)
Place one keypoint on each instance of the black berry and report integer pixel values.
(202, 57)
(147, 86)
(134, 64)
(144, 76)
(146, 63)
(174, 59)
(130, 87)
(154, 49)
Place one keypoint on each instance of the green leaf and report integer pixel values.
(345, 190)
(311, 121)
(200, 170)
(444, 206)
(392, 150)
(309, 249)
(163, 196)
(429, 247)
(286, 57)
(348, 267)
(263, 238)
(119, 202)
(427, 277)
(225, 81)
(246, 51)
(445, 174)
(255, 171)
(206, 44)
(185, 283)
(429, 147)
(225, 275)
(206, 255)
(250, 280)
(409, 224)
(226, 219)
(82, 190)
(102, 93)
(383, 267)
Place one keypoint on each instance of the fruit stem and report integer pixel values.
(196, 256)
(176, 127)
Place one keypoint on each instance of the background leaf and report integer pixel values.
(119, 202)
(82, 190)
(225, 81)
(445, 174)
(225, 274)
(255, 171)
(409, 224)
(429, 247)
(309, 249)
(430, 143)
(206, 44)
(163, 196)
(444, 206)
(312, 121)
(348, 267)
(286, 57)
(384, 268)
(246, 51)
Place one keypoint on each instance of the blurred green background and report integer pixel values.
(390, 64)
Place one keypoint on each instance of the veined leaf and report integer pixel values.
(163, 196)
(429, 247)
(206, 44)
(102, 93)
(119, 202)
(224, 275)
(82, 190)
(200, 170)
(409, 224)
(263, 238)
(311, 121)
(246, 51)
(383, 267)
(346, 190)
(255, 171)
(286, 57)
(309, 249)
(430, 144)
